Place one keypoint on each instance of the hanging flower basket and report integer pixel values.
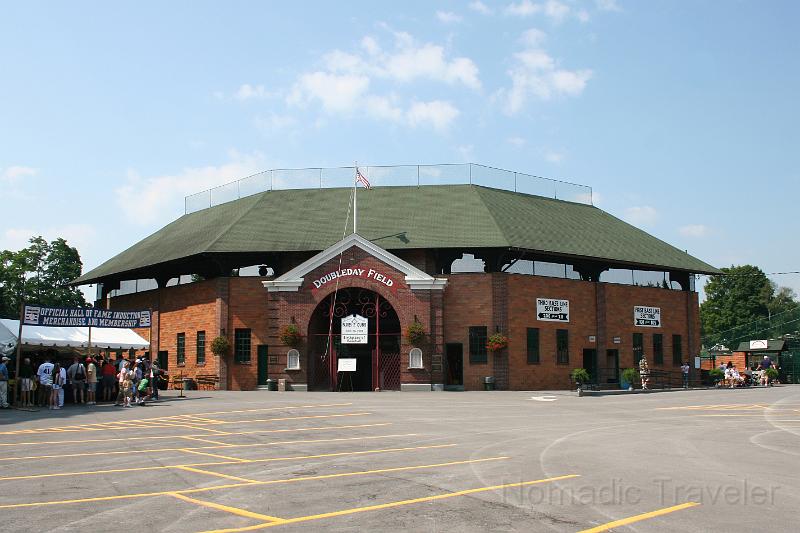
(497, 342)
(415, 333)
(290, 335)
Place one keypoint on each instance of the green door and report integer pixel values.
(263, 360)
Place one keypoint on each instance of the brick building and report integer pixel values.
(399, 269)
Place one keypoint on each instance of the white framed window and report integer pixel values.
(293, 360)
(415, 358)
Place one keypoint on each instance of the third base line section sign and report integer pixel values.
(84, 317)
(649, 317)
(552, 310)
(355, 329)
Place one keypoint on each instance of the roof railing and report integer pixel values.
(389, 175)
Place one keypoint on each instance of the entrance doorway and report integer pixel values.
(454, 366)
(590, 364)
(377, 361)
(263, 363)
(612, 367)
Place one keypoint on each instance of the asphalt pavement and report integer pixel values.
(702, 460)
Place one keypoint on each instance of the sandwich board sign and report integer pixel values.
(346, 364)
(648, 317)
(355, 329)
(552, 310)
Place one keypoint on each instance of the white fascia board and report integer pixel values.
(289, 285)
(435, 284)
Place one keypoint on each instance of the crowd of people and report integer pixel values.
(129, 382)
(753, 375)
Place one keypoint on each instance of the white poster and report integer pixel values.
(552, 310)
(354, 329)
(648, 317)
(347, 365)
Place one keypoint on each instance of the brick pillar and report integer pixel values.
(223, 293)
(437, 336)
(500, 317)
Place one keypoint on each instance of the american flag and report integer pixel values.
(361, 179)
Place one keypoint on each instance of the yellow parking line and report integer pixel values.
(189, 450)
(253, 445)
(223, 444)
(639, 517)
(389, 505)
(280, 419)
(158, 437)
(228, 461)
(238, 485)
(234, 510)
(226, 476)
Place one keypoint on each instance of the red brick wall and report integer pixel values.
(468, 302)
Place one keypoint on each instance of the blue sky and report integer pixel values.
(682, 116)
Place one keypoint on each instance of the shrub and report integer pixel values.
(630, 375)
(716, 374)
(415, 333)
(772, 374)
(496, 342)
(290, 335)
(220, 346)
(580, 376)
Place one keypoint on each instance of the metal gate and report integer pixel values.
(389, 371)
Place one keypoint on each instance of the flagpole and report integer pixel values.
(355, 199)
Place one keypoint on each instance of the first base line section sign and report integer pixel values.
(552, 310)
(649, 317)
(96, 318)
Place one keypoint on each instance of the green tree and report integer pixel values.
(39, 273)
(742, 303)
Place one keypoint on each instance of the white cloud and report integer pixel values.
(554, 156)
(519, 142)
(81, 236)
(436, 113)
(252, 92)
(533, 37)
(694, 230)
(344, 85)
(525, 8)
(537, 74)
(274, 122)
(337, 93)
(644, 215)
(582, 15)
(479, 7)
(146, 200)
(607, 5)
(14, 173)
(556, 11)
(448, 17)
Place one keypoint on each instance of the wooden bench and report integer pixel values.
(206, 381)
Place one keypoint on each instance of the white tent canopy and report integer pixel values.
(68, 337)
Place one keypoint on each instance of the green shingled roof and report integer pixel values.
(396, 218)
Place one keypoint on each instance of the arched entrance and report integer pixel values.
(377, 361)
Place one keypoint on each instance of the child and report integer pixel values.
(126, 385)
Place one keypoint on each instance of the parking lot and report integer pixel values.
(713, 460)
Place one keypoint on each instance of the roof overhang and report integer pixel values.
(415, 278)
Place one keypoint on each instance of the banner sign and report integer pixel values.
(649, 317)
(759, 345)
(347, 365)
(96, 318)
(550, 310)
(363, 273)
(354, 329)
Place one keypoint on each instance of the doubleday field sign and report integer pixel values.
(96, 318)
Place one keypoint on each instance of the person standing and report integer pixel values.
(685, 371)
(26, 383)
(122, 376)
(4, 382)
(45, 375)
(644, 372)
(109, 374)
(57, 386)
(155, 374)
(91, 381)
(77, 378)
(62, 372)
